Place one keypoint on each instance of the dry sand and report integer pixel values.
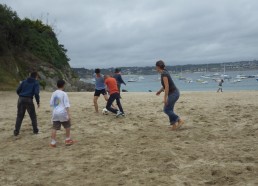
(218, 145)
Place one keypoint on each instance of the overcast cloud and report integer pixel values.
(113, 33)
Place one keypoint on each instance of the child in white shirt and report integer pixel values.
(61, 116)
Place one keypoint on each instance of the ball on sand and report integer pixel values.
(104, 111)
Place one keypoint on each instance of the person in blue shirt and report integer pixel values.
(100, 88)
(27, 89)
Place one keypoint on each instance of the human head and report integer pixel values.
(106, 76)
(34, 75)
(97, 70)
(117, 70)
(160, 65)
(60, 84)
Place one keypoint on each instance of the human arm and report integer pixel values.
(161, 90)
(36, 93)
(67, 106)
(19, 89)
(166, 89)
(52, 100)
(121, 80)
(106, 84)
(68, 113)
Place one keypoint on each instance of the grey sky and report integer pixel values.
(111, 33)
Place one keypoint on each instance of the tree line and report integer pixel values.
(20, 35)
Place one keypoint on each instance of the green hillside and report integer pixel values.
(27, 45)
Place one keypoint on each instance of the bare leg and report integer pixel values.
(174, 126)
(177, 125)
(68, 140)
(53, 136)
(95, 100)
(67, 130)
(180, 123)
(106, 97)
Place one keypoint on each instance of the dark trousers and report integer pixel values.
(119, 89)
(25, 103)
(111, 99)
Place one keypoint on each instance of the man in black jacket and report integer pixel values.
(119, 79)
(26, 90)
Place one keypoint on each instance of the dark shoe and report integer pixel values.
(36, 132)
(118, 113)
(15, 133)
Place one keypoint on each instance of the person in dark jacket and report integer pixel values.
(118, 78)
(26, 90)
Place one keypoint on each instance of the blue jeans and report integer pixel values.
(169, 108)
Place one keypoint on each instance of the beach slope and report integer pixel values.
(217, 145)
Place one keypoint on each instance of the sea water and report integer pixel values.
(193, 82)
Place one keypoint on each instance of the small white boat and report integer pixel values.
(225, 76)
(216, 74)
(216, 79)
(131, 80)
(141, 78)
(241, 76)
(207, 76)
(181, 78)
(236, 80)
(188, 80)
(204, 82)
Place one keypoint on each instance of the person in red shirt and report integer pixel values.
(114, 95)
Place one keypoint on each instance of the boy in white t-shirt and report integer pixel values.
(61, 116)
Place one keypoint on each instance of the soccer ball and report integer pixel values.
(104, 111)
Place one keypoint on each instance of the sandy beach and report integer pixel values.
(217, 145)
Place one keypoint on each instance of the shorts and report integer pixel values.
(98, 92)
(57, 124)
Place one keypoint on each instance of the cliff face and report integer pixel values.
(16, 67)
(29, 45)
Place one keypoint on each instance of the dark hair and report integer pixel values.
(160, 64)
(117, 70)
(97, 70)
(33, 75)
(60, 83)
